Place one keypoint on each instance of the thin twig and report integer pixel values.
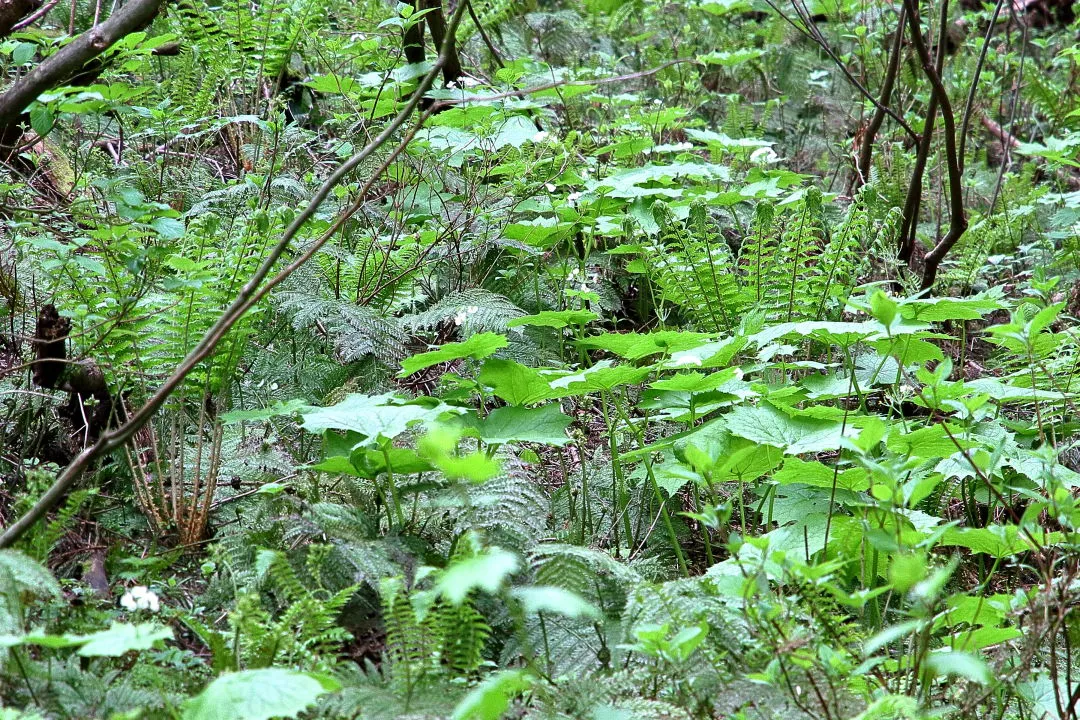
(969, 106)
(809, 29)
(30, 20)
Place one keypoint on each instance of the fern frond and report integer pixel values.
(492, 313)
(354, 330)
(510, 510)
(694, 269)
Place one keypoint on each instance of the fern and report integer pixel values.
(241, 46)
(492, 313)
(591, 574)
(43, 540)
(428, 638)
(491, 14)
(509, 511)
(304, 631)
(694, 269)
(355, 331)
(792, 266)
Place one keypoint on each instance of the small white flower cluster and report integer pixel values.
(463, 82)
(140, 597)
(464, 313)
(572, 278)
(764, 155)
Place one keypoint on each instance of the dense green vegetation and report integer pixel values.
(599, 359)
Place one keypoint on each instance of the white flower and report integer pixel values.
(684, 358)
(657, 101)
(540, 136)
(764, 155)
(573, 197)
(460, 317)
(468, 82)
(574, 271)
(472, 309)
(140, 597)
(584, 287)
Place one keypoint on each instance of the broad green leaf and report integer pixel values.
(767, 425)
(514, 132)
(122, 638)
(515, 383)
(491, 699)
(747, 462)
(889, 635)
(546, 424)
(960, 664)
(939, 440)
(23, 53)
(554, 319)
(552, 599)
(816, 474)
(984, 637)
(278, 409)
(730, 59)
(478, 346)
(42, 119)
(695, 382)
(40, 639)
(23, 574)
(635, 346)
(258, 695)
(371, 416)
(673, 476)
(998, 541)
(601, 376)
(486, 571)
(949, 308)
(631, 183)
(439, 447)
(331, 84)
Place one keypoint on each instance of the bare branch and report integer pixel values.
(957, 216)
(870, 134)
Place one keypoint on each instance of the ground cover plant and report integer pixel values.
(598, 359)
